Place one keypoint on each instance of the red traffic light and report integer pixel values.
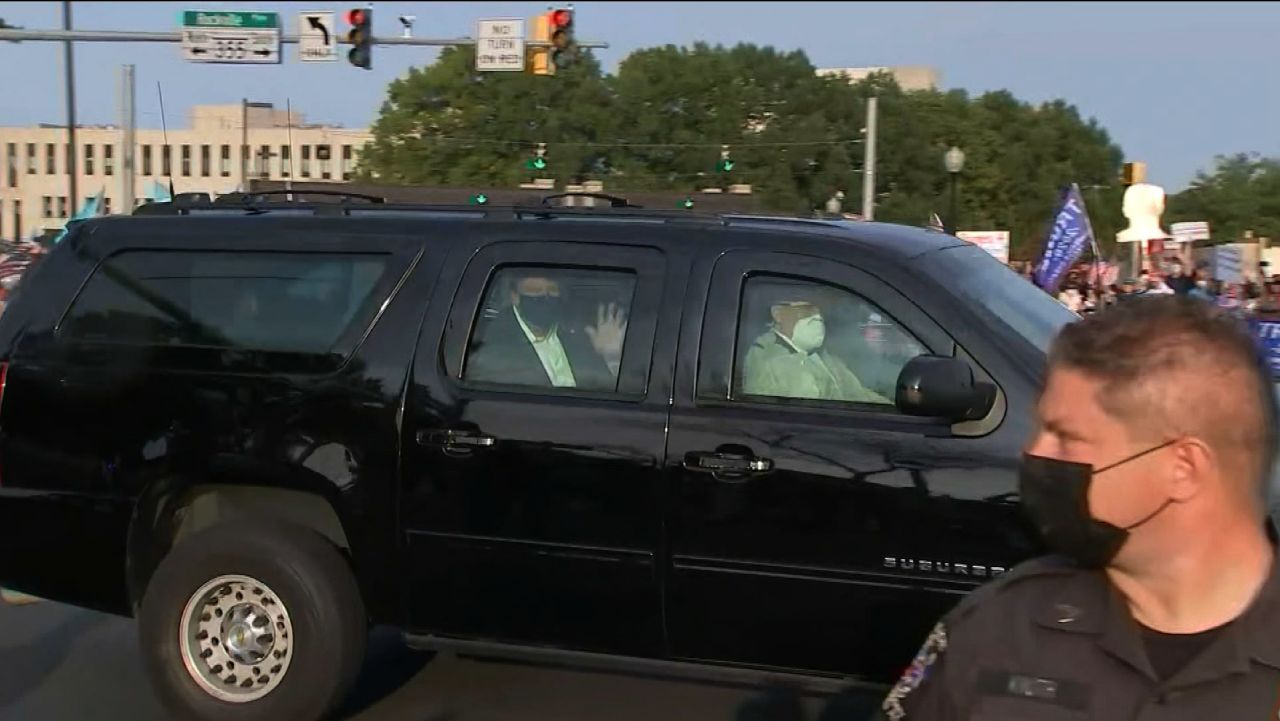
(562, 18)
(355, 17)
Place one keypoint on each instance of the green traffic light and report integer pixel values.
(726, 165)
(479, 199)
(538, 163)
(687, 204)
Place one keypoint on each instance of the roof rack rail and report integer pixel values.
(615, 201)
(262, 194)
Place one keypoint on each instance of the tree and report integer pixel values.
(448, 124)
(1018, 159)
(794, 136)
(1242, 193)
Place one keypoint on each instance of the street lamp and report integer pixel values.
(954, 162)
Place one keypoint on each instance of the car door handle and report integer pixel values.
(707, 462)
(455, 439)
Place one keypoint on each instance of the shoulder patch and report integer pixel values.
(1034, 569)
(934, 646)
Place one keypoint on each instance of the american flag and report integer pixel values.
(15, 264)
(17, 256)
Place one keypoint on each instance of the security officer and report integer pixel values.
(1147, 475)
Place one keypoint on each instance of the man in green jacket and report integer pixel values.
(789, 360)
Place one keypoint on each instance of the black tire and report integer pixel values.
(314, 582)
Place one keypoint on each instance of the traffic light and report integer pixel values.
(685, 204)
(726, 163)
(541, 57)
(564, 47)
(479, 199)
(360, 36)
(539, 159)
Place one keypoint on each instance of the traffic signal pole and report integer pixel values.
(69, 73)
(127, 36)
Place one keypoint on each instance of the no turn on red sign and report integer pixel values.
(500, 45)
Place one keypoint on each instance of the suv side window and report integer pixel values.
(808, 340)
(261, 301)
(550, 327)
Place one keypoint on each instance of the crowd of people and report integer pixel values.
(1087, 288)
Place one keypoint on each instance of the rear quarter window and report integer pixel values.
(297, 303)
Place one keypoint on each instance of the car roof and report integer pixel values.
(891, 239)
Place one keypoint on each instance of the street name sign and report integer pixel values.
(317, 43)
(217, 36)
(500, 45)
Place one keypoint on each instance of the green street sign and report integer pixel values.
(216, 36)
(230, 19)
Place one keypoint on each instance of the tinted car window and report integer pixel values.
(1001, 294)
(548, 327)
(290, 302)
(809, 340)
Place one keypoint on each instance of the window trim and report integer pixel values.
(646, 264)
(717, 349)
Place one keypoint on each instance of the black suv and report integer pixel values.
(727, 446)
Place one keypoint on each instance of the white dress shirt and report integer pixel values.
(552, 355)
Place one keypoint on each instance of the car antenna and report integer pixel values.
(164, 128)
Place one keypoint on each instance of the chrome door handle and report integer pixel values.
(469, 439)
(725, 463)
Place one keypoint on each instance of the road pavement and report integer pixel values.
(58, 662)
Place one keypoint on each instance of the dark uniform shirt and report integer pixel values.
(1051, 642)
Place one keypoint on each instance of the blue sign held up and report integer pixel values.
(1268, 334)
(1071, 232)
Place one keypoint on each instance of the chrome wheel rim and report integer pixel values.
(236, 638)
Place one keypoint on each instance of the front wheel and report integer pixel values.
(253, 620)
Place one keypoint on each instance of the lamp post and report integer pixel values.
(954, 162)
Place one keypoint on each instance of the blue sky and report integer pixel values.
(1174, 83)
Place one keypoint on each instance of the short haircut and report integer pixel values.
(1175, 366)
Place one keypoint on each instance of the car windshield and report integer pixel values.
(1001, 293)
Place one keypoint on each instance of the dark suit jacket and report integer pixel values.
(501, 353)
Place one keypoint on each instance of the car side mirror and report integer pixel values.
(943, 387)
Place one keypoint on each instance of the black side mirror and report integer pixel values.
(942, 387)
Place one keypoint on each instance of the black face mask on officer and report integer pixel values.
(1055, 494)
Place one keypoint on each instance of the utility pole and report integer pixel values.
(128, 122)
(244, 145)
(69, 69)
(869, 163)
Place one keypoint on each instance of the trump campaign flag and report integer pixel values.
(1070, 234)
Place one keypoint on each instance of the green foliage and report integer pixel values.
(796, 137)
(1242, 193)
